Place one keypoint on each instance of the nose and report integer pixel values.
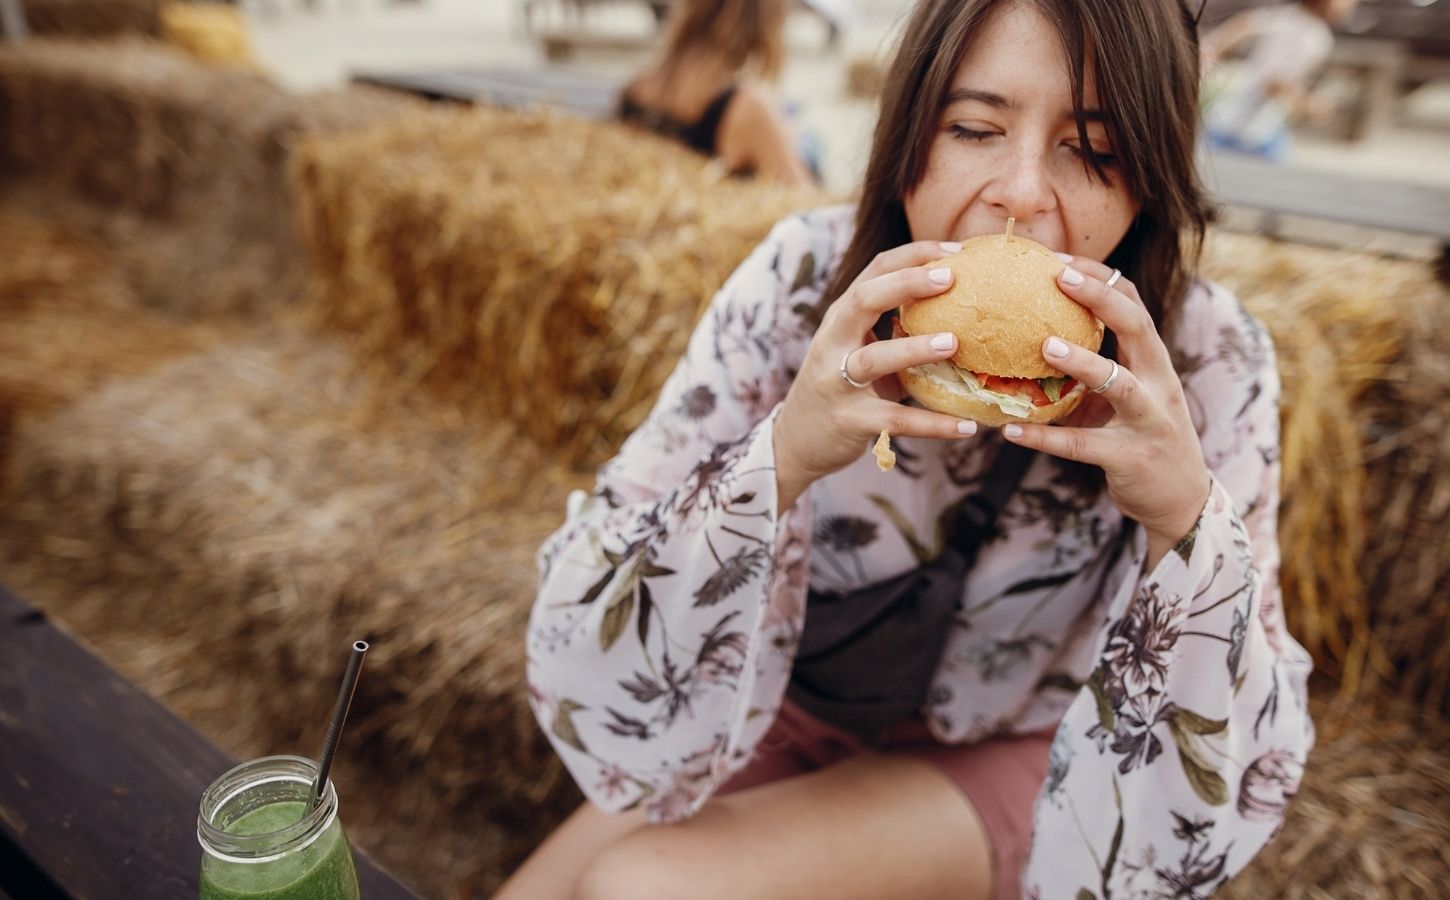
(1022, 189)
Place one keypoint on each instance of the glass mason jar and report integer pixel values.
(259, 841)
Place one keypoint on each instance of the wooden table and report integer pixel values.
(99, 783)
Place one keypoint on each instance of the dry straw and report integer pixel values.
(69, 323)
(182, 165)
(541, 268)
(92, 18)
(1372, 817)
(1365, 475)
(256, 500)
(1407, 562)
(212, 32)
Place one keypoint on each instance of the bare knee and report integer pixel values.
(636, 868)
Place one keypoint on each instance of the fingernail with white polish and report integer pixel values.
(940, 276)
(1071, 276)
(967, 427)
(950, 246)
(1065, 257)
(943, 342)
(1056, 348)
(1012, 431)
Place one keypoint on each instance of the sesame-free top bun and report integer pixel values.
(1003, 303)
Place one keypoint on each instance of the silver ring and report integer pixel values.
(846, 376)
(1112, 377)
(1113, 279)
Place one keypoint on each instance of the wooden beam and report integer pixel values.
(1373, 202)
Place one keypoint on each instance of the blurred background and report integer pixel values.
(312, 313)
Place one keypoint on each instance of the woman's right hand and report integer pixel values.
(825, 424)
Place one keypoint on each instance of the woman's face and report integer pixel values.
(1007, 144)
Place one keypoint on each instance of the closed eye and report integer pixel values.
(963, 133)
(1090, 155)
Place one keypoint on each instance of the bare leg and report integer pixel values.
(874, 826)
(552, 871)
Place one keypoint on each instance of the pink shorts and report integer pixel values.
(1000, 776)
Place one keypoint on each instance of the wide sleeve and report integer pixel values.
(672, 597)
(1176, 761)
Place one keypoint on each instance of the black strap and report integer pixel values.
(977, 517)
(866, 657)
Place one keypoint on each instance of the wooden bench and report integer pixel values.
(99, 783)
(1255, 184)
(586, 95)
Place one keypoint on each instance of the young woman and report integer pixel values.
(699, 92)
(1118, 709)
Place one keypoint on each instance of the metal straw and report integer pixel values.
(339, 716)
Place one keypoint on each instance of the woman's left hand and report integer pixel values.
(1146, 443)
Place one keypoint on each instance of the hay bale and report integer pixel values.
(69, 322)
(267, 485)
(1366, 489)
(1407, 555)
(212, 32)
(537, 267)
(132, 123)
(178, 164)
(1372, 818)
(92, 18)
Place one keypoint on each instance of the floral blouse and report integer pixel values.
(672, 599)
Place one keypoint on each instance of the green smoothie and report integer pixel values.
(323, 870)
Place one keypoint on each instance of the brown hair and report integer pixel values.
(741, 32)
(1145, 58)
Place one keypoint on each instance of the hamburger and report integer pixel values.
(1003, 303)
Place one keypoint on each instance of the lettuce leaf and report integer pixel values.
(1052, 387)
(1012, 406)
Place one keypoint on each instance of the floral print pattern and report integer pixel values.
(671, 601)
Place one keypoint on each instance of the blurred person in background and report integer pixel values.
(1248, 108)
(709, 90)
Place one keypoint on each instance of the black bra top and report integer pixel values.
(699, 135)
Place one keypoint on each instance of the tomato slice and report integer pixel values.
(1016, 387)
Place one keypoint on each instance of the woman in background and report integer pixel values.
(1287, 45)
(708, 92)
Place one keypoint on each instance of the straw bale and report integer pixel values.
(267, 485)
(1372, 818)
(212, 32)
(92, 18)
(131, 122)
(69, 322)
(1407, 558)
(183, 165)
(1341, 322)
(534, 266)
